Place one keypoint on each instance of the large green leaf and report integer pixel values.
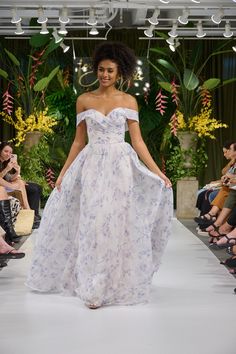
(40, 40)
(226, 82)
(211, 84)
(12, 57)
(53, 73)
(51, 47)
(168, 66)
(162, 51)
(165, 85)
(157, 69)
(190, 80)
(41, 84)
(3, 73)
(162, 35)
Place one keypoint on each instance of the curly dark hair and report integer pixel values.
(119, 53)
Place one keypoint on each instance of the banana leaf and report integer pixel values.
(190, 80)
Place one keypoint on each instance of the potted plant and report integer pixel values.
(23, 99)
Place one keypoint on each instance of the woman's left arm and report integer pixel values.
(142, 151)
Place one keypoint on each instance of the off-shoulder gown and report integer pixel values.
(102, 236)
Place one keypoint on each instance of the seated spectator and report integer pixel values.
(11, 181)
(223, 200)
(31, 192)
(207, 195)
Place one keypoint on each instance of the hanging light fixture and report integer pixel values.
(64, 47)
(93, 31)
(183, 19)
(19, 29)
(227, 33)
(149, 32)
(63, 18)
(200, 32)
(56, 36)
(173, 32)
(175, 45)
(15, 17)
(63, 29)
(217, 17)
(92, 20)
(153, 20)
(171, 40)
(41, 17)
(44, 29)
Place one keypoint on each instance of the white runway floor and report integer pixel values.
(192, 311)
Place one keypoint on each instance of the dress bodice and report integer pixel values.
(110, 128)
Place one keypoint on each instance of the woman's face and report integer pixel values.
(6, 153)
(107, 73)
(232, 152)
(226, 153)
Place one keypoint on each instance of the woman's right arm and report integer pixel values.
(77, 145)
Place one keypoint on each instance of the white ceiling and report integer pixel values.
(118, 14)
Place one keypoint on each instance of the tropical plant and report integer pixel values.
(27, 81)
(181, 76)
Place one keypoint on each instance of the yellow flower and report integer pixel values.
(203, 124)
(38, 120)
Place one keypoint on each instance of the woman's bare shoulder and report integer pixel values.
(130, 101)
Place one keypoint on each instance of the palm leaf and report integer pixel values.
(3, 73)
(190, 80)
(12, 57)
(211, 84)
(168, 66)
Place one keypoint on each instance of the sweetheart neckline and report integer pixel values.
(106, 115)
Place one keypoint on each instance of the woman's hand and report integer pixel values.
(168, 183)
(10, 165)
(58, 183)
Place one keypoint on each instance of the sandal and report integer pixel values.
(212, 241)
(228, 241)
(230, 250)
(12, 255)
(203, 218)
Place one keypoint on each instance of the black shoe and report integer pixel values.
(6, 222)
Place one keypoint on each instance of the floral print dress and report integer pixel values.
(102, 236)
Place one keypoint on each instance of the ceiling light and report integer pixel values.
(44, 29)
(170, 41)
(41, 17)
(165, 1)
(184, 18)
(153, 20)
(63, 29)
(15, 17)
(227, 33)
(234, 47)
(196, 1)
(19, 29)
(200, 32)
(93, 31)
(63, 17)
(64, 47)
(173, 32)
(149, 32)
(92, 20)
(217, 17)
(174, 46)
(56, 37)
